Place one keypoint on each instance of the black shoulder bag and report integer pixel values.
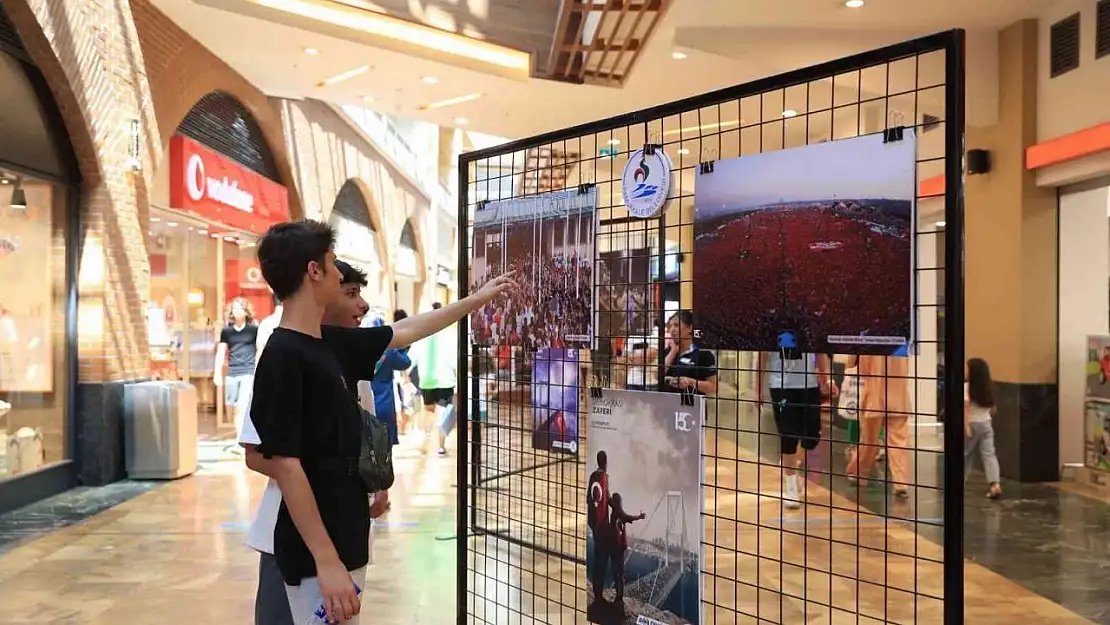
(375, 461)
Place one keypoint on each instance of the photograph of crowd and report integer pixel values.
(643, 509)
(555, 395)
(548, 241)
(809, 248)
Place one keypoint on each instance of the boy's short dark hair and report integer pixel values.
(286, 250)
(400, 314)
(349, 274)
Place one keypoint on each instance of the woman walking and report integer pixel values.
(978, 429)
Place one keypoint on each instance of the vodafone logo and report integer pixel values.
(254, 275)
(194, 178)
(227, 192)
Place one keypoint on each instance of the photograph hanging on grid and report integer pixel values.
(643, 508)
(624, 299)
(548, 241)
(1097, 443)
(809, 248)
(555, 393)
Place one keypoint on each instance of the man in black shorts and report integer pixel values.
(435, 359)
(309, 422)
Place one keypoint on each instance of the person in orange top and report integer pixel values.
(885, 401)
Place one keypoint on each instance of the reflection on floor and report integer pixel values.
(175, 555)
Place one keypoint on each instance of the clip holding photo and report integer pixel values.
(706, 167)
(585, 187)
(687, 398)
(894, 134)
(649, 149)
(595, 392)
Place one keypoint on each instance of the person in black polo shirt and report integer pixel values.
(309, 423)
(237, 349)
(687, 369)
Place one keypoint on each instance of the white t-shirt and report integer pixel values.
(975, 412)
(260, 535)
(786, 373)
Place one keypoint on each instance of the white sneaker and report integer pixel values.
(790, 497)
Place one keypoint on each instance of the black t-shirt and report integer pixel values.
(304, 407)
(241, 346)
(698, 364)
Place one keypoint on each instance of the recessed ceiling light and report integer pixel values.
(614, 141)
(678, 56)
(790, 113)
(311, 51)
(430, 80)
(683, 151)
(171, 224)
(5, 181)
(338, 78)
(940, 224)
(367, 98)
(461, 121)
(853, 4)
(463, 99)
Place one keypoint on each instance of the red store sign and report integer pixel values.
(213, 187)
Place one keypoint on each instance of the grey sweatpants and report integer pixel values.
(982, 439)
(271, 603)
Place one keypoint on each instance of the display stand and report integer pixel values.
(521, 524)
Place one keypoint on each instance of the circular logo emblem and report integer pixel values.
(195, 178)
(646, 183)
(254, 275)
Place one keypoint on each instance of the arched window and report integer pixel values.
(356, 238)
(220, 122)
(408, 236)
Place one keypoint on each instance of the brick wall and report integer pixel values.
(109, 62)
(326, 151)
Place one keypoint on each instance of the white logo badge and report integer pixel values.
(195, 178)
(646, 183)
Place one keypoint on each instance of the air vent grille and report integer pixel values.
(1102, 29)
(1064, 46)
(220, 122)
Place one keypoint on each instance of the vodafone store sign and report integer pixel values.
(212, 186)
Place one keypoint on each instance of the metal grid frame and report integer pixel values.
(520, 514)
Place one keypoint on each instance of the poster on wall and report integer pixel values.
(1098, 367)
(643, 509)
(548, 241)
(623, 294)
(809, 248)
(1097, 430)
(26, 301)
(555, 394)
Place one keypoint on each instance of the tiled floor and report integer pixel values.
(174, 554)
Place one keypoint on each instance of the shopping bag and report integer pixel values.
(848, 402)
(446, 421)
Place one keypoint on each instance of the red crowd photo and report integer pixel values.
(809, 248)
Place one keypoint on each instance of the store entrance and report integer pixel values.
(199, 271)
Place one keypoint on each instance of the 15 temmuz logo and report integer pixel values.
(684, 422)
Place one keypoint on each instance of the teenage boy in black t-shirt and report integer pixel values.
(309, 423)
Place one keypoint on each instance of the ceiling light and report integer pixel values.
(399, 35)
(311, 51)
(338, 78)
(704, 127)
(614, 141)
(5, 181)
(155, 219)
(463, 99)
(461, 121)
(683, 151)
(790, 113)
(853, 4)
(678, 56)
(171, 224)
(367, 98)
(430, 80)
(939, 224)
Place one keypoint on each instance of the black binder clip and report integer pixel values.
(687, 398)
(482, 204)
(585, 187)
(649, 149)
(595, 392)
(893, 134)
(706, 167)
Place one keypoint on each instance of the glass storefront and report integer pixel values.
(33, 372)
(196, 270)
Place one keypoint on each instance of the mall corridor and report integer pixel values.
(173, 554)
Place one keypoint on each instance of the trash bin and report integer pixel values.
(160, 430)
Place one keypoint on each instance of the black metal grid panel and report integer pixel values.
(851, 554)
